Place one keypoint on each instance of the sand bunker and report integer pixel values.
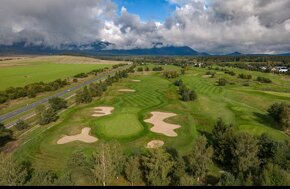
(155, 144)
(136, 80)
(126, 90)
(102, 111)
(83, 137)
(162, 127)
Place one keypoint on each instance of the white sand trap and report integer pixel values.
(102, 111)
(126, 90)
(136, 80)
(155, 144)
(162, 127)
(83, 137)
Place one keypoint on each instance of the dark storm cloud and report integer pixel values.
(222, 26)
(53, 22)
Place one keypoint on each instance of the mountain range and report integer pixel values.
(101, 49)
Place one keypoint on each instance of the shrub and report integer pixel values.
(21, 125)
(264, 80)
(222, 82)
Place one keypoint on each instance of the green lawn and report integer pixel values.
(19, 76)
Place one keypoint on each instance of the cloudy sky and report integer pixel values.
(214, 26)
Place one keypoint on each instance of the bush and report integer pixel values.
(21, 125)
(140, 69)
(170, 74)
(81, 75)
(264, 80)
(222, 82)
(156, 69)
(57, 103)
(244, 76)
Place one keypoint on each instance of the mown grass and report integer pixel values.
(244, 107)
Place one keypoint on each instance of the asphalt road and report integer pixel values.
(14, 113)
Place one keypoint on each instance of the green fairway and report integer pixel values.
(19, 76)
(244, 107)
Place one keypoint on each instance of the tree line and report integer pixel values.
(244, 160)
(87, 94)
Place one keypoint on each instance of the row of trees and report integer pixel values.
(185, 92)
(87, 94)
(13, 173)
(31, 90)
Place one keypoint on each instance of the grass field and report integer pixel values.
(245, 107)
(18, 73)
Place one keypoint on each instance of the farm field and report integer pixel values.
(243, 106)
(20, 72)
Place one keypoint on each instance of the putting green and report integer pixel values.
(119, 125)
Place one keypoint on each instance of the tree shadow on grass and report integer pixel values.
(265, 120)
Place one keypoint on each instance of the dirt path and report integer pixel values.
(83, 137)
(102, 111)
(162, 127)
(136, 80)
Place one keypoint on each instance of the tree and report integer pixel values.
(157, 165)
(11, 173)
(281, 114)
(57, 103)
(227, 179)
(179, 176)
(45, 116)
(245, 153)
(49, 178)
(200, 158)
(132, 170)
(273, 175)
(222, 136)
(105, 164)
(21, 125)
(5, 134)
(285, 118)
(267, 149)
(83, 96)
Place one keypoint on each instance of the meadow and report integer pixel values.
(243, 106)
(20, 72)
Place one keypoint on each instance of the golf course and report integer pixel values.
(144, 108)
